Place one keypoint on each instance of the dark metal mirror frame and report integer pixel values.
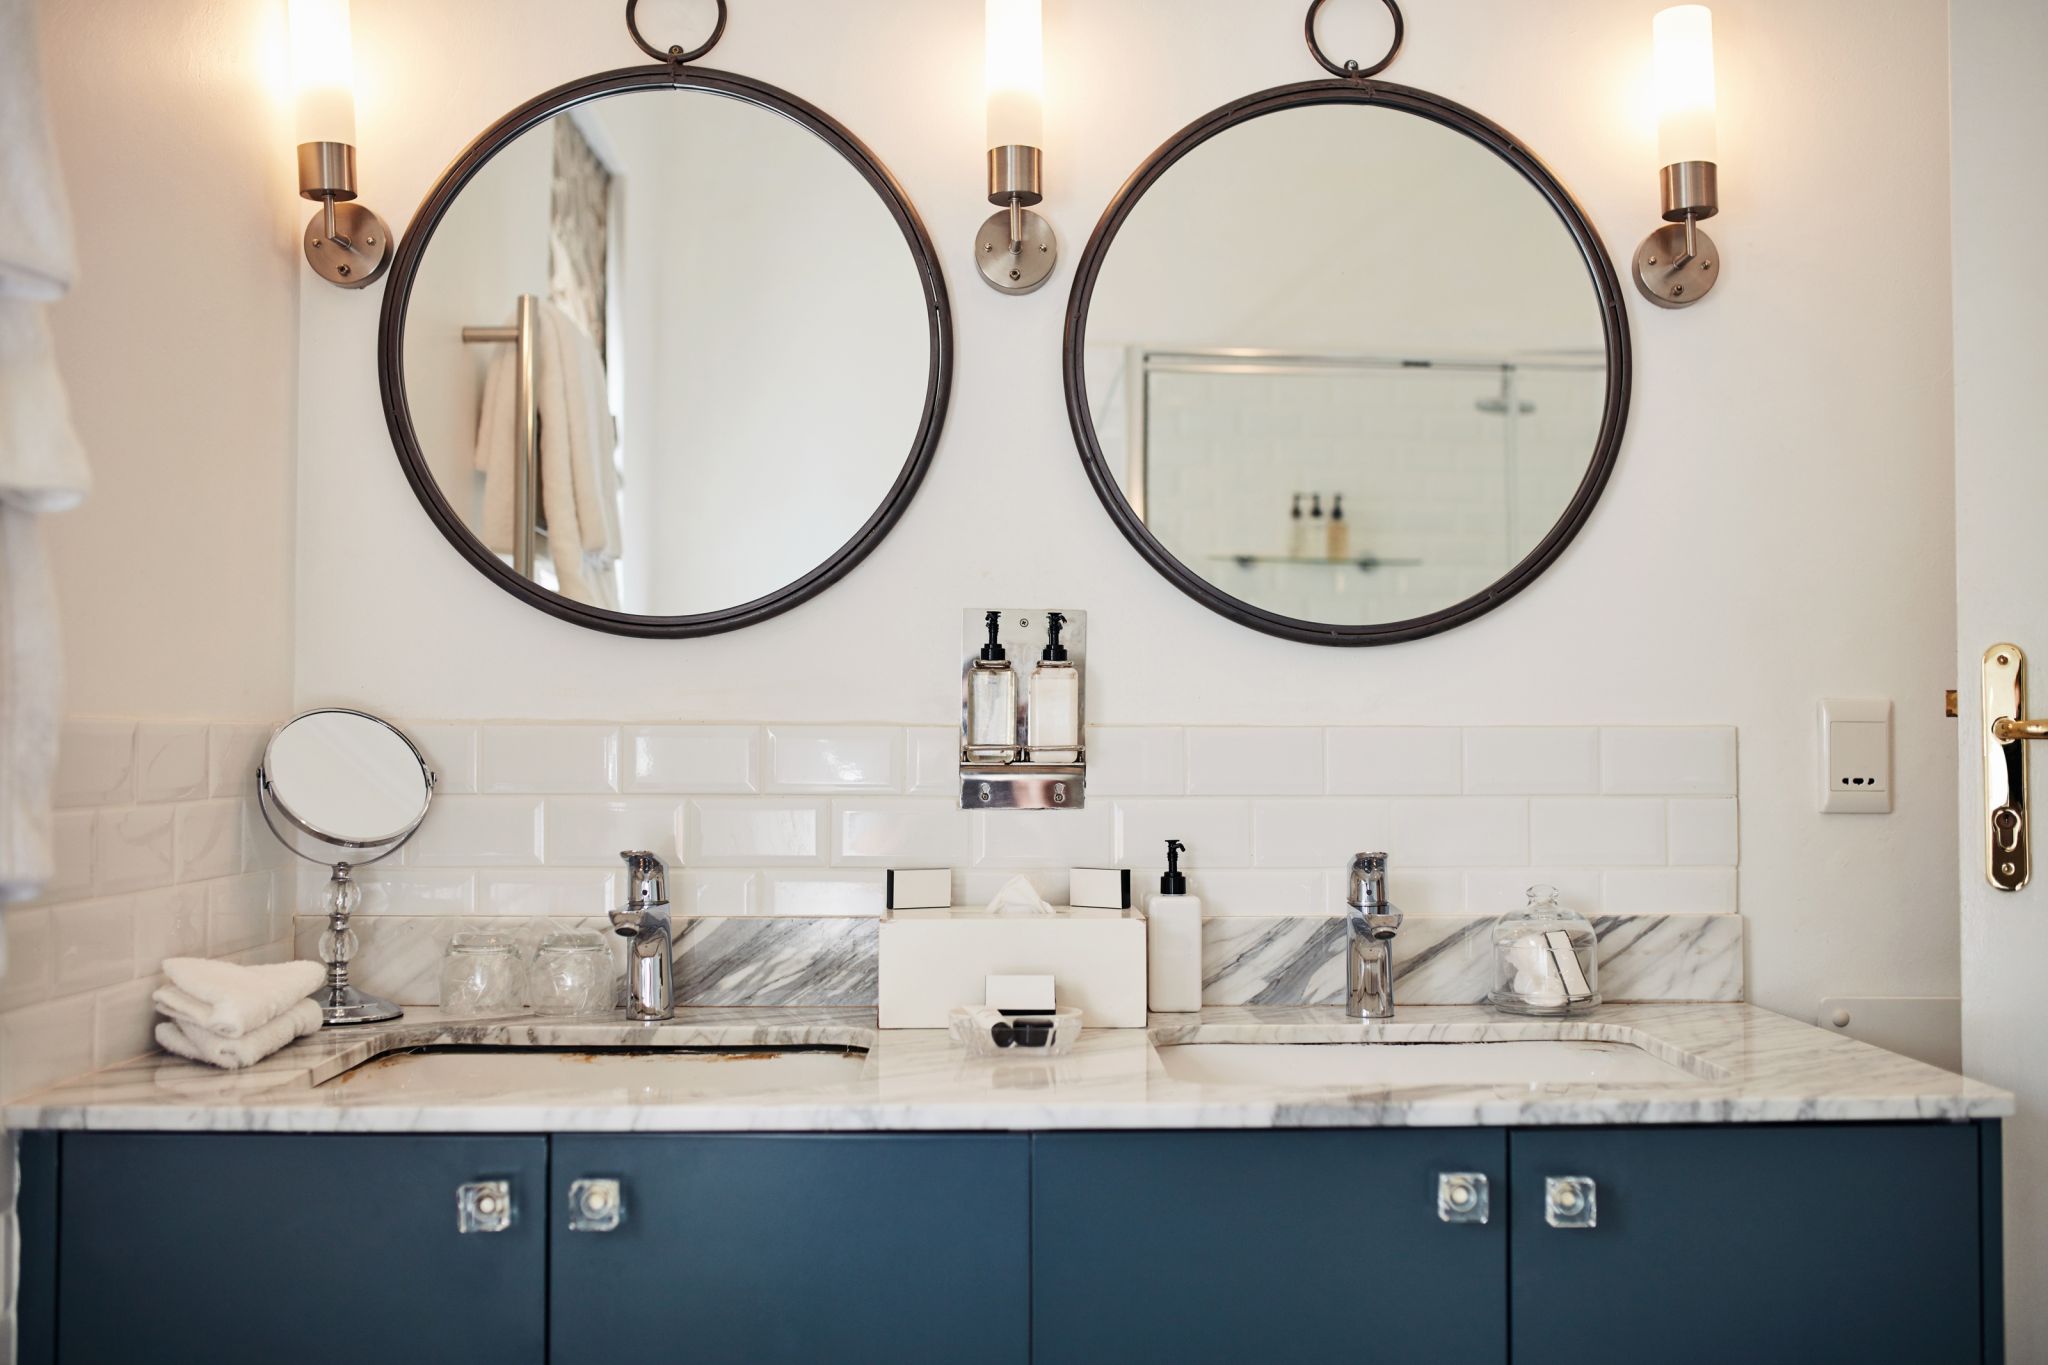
(405, 270)
(1353, 90)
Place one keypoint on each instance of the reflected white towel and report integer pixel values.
(235, 1053)
(229, 999)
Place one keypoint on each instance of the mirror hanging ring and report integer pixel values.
(1351, 70)
(674, 53)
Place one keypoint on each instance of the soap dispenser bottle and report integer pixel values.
(1318, 536)
(1340, 529)
(1173, 941)
(992, 700)
(1297, 532)
(1053, 724)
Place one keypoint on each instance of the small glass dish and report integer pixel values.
(571, 973)
(482, 975)
(1546, 959)
(988, 1032)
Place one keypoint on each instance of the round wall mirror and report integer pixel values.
(665, 352)
(1346, 363)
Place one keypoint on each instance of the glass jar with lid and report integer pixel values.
(1546, 958)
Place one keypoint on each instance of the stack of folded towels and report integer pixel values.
(233, 1016)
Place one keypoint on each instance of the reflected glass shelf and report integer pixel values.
(1364, 563)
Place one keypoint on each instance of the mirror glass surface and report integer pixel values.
(1360, 313)
(346, 777)
(734, 354)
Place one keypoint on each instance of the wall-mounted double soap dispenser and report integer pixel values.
(1021, 747)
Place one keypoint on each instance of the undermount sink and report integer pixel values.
(649, 1073)
(1413, 1064)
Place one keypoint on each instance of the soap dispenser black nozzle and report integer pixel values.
(1055, 652)
(992, 652)
(1175, 882)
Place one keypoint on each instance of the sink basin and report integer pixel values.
(647, 1074)
(1413, 1064)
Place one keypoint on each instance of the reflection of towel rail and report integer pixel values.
(526, 436)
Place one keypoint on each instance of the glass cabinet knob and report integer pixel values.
(1570, 1201)
(595, 1205)
(1462, 1197)
(483, 1206)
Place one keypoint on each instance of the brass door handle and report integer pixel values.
(2008, 826)
(2006, 730)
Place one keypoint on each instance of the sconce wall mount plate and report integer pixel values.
(1676, 266)
(349, 247)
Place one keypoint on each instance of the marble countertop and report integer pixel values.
(1735, 1064)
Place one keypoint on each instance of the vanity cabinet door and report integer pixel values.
(212, 1247)
(1815, 1242)
(799, 1248)
(1265, 1246)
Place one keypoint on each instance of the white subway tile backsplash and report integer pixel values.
(46, 1043)
(478, 831)
(911, 831)
(399, 890)
(1531, 760)
(31, 956)
(701, 759)
(548, 758)
(1218, 833)
(591, 831)
(169, 923)
(716, 892)
(241, 913)
(206, 840)
(1393, 760)
(262, 850)
(1255, 761)
(564, 892)
(1495, 891)
(1126, 760)
(124, 1022)
(70, 855)
(95, 943)
(1414, 890)
(170, 762)
(1321, 833)
(1648, 761)
(933, 765)
(1702, 833)
(1246, 891)
(759, 832)
(820, 758)
(95, 763)
(1670, 890)
(844, 891)
(232, 755)
(450, 751)
(1458, 831)
(1596, 830)
(132, 849)
(1047, 838)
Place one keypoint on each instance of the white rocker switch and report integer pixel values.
(1855, 756)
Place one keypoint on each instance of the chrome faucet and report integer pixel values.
(650, 969)
(1369, 965)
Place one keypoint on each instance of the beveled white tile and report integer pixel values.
(1703, 833)
(1459, 831)
(95, 943)
(1496, 891)
(389, 890)
(909, 831)
(1255, 761)
(1242, 891)
(1393, 760)
(805, 758)
(44, 1044)
(1598, 830)
(706, 759)
(756, 832)
(934, 760)
(450, 751)
(261, 849)
(95, 763)
(1047, 838)
(1671, 890)
(1649, 761)
(567, 892)
(232, 755)
(1318, 832)
(132, 849)
(1414, 890)
(716, 891)
(1135, 760)
(1218, 833)
(124, 1022)
(31, 956)
(207, 840)
(170, 922)
(1517, 760)
(845, 891)
(478, 831)
(70, 856)
(170, 762)
(591, 831)
(240, 913)
(548, 758)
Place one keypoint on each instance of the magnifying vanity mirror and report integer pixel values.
(343, 788)
(1345, 362)
(666, 351)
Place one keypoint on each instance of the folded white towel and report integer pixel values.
(232, 1000)
(235, 1053)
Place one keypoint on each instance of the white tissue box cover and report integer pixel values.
(932, 960)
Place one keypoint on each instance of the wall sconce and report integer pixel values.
(1676, 265)
(1016, 248)
(346, 244)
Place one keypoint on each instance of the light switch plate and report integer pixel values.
(1855, 756)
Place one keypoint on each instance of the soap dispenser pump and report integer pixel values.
(992, 700)
(1053, 725)
(1173, 941)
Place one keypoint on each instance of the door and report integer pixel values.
(1820, 1242)
(212, 1247)
(907, 1248)
(1265, 1246)
(1999, 105)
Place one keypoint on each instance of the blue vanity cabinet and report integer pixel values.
(911, 1248)
(213, 1247)
(1253, 1246)
(1827, 1242)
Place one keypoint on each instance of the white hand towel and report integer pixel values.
(235, 1053)
(232, 1000)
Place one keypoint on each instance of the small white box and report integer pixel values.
(1101, 888)
(919, 888)
(930, 961)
